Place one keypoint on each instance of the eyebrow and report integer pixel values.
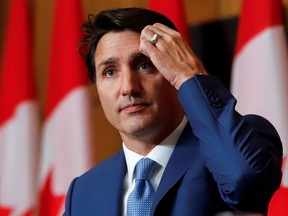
(108, 61)
(138, 55)
(112, 60)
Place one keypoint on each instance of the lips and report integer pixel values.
(134, 107)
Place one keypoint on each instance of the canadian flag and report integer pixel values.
(65, 152)
(18, 117)
(260, 76)
(175, 11)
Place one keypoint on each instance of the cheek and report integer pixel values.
(166, 96)
(162, 89)
(106, 101)
(109, 111)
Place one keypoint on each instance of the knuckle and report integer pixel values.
(157, 25)
(176, 35)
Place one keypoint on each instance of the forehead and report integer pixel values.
(117, 45)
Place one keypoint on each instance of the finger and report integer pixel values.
(151, 34)
(147, 48)
(161, 29)
(158, 28)
(167, 36)
(165, 29)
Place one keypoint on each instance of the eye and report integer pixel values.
(146, 65)
(109, 72)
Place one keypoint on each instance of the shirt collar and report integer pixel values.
(160, 154)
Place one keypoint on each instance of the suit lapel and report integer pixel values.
(113, 184)
(178, 164)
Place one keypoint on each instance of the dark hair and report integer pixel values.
(114, 20)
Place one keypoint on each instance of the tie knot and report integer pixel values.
(144, 168)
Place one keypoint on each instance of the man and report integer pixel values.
(206, 157)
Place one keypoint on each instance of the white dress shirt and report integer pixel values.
(160, 154)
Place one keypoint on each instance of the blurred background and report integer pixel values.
(213, 26)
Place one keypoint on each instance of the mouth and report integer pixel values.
(134, 108)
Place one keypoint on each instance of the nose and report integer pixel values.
(130, 83)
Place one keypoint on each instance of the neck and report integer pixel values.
(142, 148)
(145, 143)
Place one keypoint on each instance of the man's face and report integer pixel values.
(136, 99)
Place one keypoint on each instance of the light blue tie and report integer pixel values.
(141, 198)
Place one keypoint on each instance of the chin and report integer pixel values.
(139, 129)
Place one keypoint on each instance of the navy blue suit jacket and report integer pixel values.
(222, 162)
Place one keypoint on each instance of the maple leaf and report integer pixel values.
(29, 212)
(278, 205)
(50, 203)
(4, 211)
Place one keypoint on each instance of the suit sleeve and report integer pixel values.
(243, 153)
(68, 203)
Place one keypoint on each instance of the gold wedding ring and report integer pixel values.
(154, 39)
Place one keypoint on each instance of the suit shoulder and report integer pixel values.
(104, 167)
